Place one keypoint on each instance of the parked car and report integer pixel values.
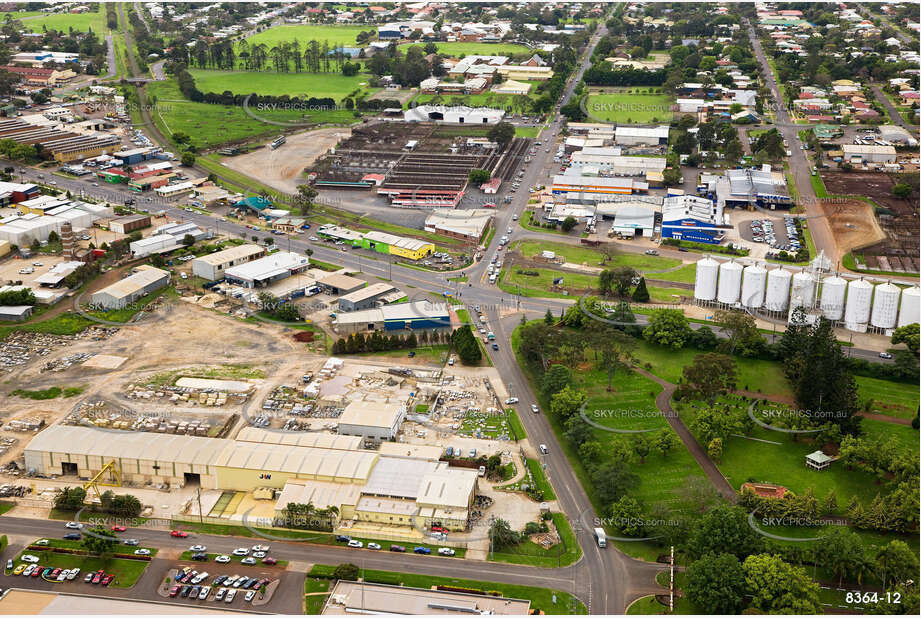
(241, 551)
(341, 538)
(398, 548)
(73, 536)
(260, 548)
(445, 551)
(174, 591)
(73, 573)
(89, 577)
(511, 400)
(543, 449)
(354, 543)
(198, 548)
(220, 594)
(223, 559)
(228, 598)
(269, 560)
(200, 556)
(130, 541)
(885, 355)
(107, 580)
(142, 552)
(249, 596)
(29, 558)
(18, 570)
(248, 560)
(178, 534)
(205, 591)
(184, 592)
(422, 550)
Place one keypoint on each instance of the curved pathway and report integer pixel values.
(663, 402)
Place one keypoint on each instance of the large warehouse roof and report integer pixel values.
(194, 450)
(447, 488)
(231, 254)
(371, 414)
(146, 275)
(300, 438)
(399, 477)
(145, 446)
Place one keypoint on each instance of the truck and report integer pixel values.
(601, 537)
(482, 319)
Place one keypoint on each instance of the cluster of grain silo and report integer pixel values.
(857, 304)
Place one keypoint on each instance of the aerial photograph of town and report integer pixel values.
(459, 308)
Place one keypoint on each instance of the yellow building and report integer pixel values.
(519, 72)
(4, 247)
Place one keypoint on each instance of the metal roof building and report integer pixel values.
(418, 315)
(140, 284)
(264, 271)
(372, 419)
(364, 298)
(350, 598)
(214, 265)
(633, 220)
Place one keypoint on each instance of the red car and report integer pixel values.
(38, 571)
(118, 528)
(174, 591)
(269, 560)
(55, 573)
(98, 577)
(107, 580)
(178, 534)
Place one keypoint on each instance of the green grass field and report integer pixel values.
(335, 35)
(126, 572)
(591, 257)
(685, 274)
(901, 435)
(304, 85)
(539, 286)
(95, 21)
(890, 398)
(628, 107)
(541, 598)
(776, 458)
(753, 374)
(210, 125)
(666, 295)
(483, 49)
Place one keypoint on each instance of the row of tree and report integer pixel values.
(73, 498)
(357, 343)
(465, 342)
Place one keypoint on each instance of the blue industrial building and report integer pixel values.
(414, 316)
(697, 219)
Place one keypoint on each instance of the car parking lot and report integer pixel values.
(772, 233)
(196, 584)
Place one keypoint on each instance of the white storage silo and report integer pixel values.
(754, 277)
(802, 294)
(730, 283)
(857, 309)
(833, 291)
(885, 306)
(910, 311)
(705, 281)
(778, 290)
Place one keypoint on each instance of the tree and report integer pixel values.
(346, 571)
(909, 335)
(671, 176)
(641, 294)
(467, 347)
(901, 190)
(744, 338)
(99, 541)
(549, 320)
(188, 158)
(555, 379)
(842, 552)
(478, 176)
(724, 529)
(641, 445)
(715, 449)
(304, 198)
(566, 403)
(896, 562)
(777, 587)
(188, 240)
(627, 517)
(617, 281)
(665, 441)
(716, 584)
(69, 499)
(501, 533)
(502, 133)
(668, 327)
(568, 223)
(709, 376)
(612, 481)
(704, 338)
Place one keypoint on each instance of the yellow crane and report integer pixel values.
(115, 479)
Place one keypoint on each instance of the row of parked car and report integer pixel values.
(259, 552)
(55, 574)
(442, 551)
(191, 585)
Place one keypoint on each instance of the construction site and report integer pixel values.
(415, 165)
(239, 430)
(887, 241)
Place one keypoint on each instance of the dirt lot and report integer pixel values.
(281, 168)
(852, 223)
(897, 249)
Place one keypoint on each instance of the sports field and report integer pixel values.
(333, 85)
(630, 107)
(482, 49)
(335, 35)
(65, 21)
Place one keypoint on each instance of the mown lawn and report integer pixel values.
(630, 108)
(775, 457)
(592, 257)
(303, 85)
(540, 285)
(685, 274)
(334, 35)
(896, 399)
(95, 21)
(754, 375)
(210, 125)
(126, 572)
(541, 598)
(483, 49)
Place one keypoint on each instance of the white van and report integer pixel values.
(601, 537)
(492, 278)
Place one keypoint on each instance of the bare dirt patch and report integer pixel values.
(281, 168)
(852, 223)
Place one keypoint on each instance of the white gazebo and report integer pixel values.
(818, 460)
